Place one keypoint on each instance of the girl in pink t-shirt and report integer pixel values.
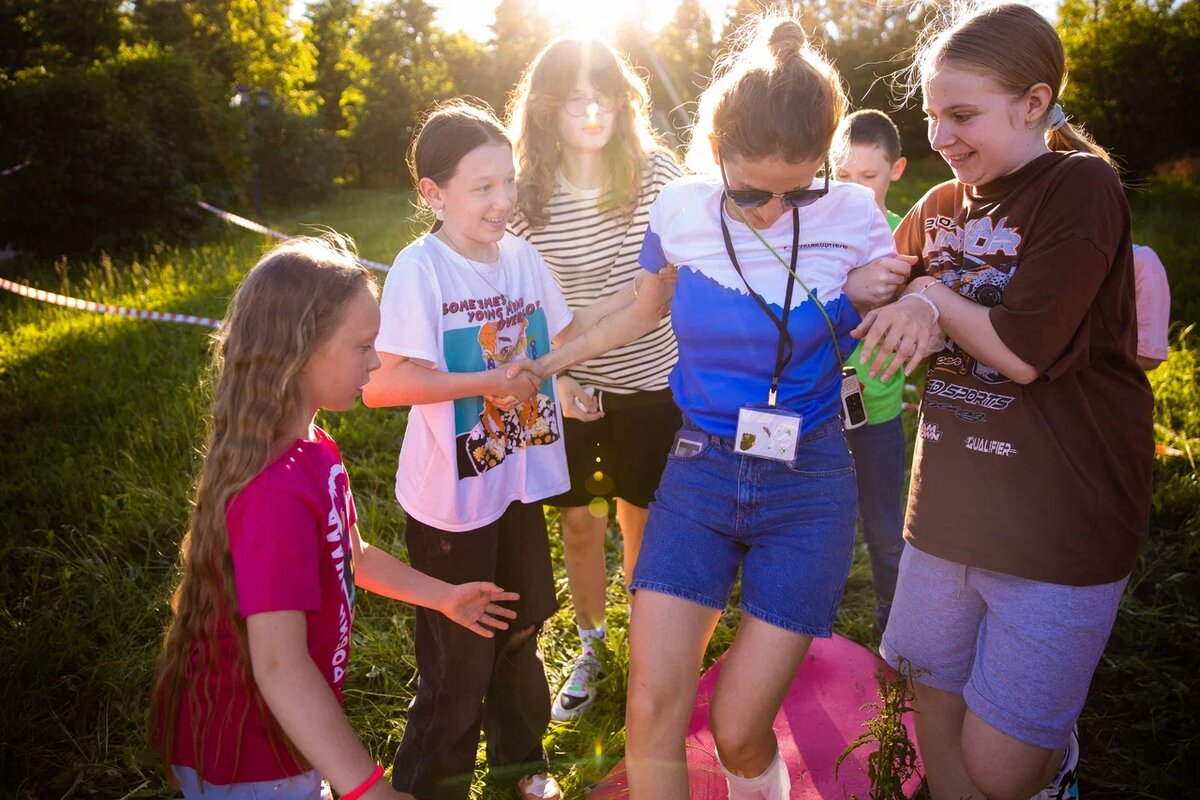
(247, 697)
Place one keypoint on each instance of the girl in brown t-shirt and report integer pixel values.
(1031, 478)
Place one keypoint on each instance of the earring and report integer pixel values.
(437, 213)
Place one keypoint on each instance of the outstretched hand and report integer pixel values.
(473, 605)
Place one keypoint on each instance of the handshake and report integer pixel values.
(510, 385)
(520, 381)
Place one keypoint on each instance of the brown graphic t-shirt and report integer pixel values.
(1049, 480)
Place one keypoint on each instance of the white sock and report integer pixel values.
(772, 784)
(589, 636)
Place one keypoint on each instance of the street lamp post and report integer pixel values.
(251, 99)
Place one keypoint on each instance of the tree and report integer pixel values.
(52, 33)
(340, 70)
(518, 34)
(244, 41)
(1133, 79)
(685, 49)
(406, 73)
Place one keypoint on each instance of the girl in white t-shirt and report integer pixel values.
(465, 310)
(460, 301)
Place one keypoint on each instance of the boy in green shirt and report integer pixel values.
(873, 159)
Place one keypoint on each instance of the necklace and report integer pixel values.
(445, 237)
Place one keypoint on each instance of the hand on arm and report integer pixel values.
(299, 698)
(877, 282)
(909, 326)
(472, 605)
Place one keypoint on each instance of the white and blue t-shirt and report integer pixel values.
(727, 343)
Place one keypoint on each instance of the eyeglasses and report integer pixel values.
(755, 198)
(577, 104)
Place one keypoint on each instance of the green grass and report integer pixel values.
(102, 420)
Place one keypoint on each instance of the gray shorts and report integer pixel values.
(1020, 652)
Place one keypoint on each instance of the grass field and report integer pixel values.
(102, 419)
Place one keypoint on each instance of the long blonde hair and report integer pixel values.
(288, 305)
(973, 34)
(533, 114)
(772, 95)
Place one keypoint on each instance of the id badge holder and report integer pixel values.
(767, 431)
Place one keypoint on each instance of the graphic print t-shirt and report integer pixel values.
(1051, 480)
(727, 343)
(463, 461)
(289, 541)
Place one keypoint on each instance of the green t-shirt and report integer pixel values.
(883, 400)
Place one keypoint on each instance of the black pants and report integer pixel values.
(468, 683)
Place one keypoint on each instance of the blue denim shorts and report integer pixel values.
(1020, 652)
(789, 525)
(306, 786)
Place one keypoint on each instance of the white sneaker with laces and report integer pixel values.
(577, 692)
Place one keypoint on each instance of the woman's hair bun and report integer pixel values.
(787, 39)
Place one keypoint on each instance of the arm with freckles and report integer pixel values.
(401, 381)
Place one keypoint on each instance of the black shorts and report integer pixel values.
(623, 453)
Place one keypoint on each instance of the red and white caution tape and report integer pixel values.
(251, 225)
(4, 173)
(103, 308)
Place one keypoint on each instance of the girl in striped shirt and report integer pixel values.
(589, 167)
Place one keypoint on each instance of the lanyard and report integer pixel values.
(783, 351)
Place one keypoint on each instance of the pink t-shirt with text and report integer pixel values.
(289, 539)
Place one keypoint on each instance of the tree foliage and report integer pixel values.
(52, 33)
(148, 84)
(1133, 78)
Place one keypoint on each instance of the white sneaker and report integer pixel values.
(539, 787)
(577, 692)
(1065, 785)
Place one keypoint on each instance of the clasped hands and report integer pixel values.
(891, 325)
(521, 380)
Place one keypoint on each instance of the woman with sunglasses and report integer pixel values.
(589, 166)
(759, 476)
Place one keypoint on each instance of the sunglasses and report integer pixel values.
(756, 198)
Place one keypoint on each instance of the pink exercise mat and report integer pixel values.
(823, 711)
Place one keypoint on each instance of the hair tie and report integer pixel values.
(1056, 118)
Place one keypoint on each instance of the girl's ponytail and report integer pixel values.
(1074, 137)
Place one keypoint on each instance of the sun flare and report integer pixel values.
(600, 19)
